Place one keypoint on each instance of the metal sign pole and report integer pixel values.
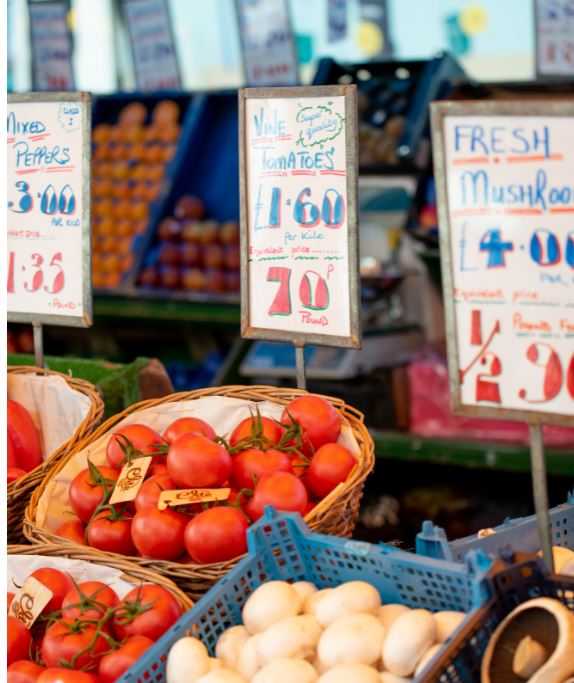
(38, 345)
(300, 365)
(540, 490)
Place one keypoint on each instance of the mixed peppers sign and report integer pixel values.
(48, 157)
(299, 226)
(506, 205)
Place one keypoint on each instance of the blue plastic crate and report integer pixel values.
(519, 534)
(512, 582)
(281, 547)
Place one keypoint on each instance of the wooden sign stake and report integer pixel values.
(38, 345)
(540, 492)
(300, 366)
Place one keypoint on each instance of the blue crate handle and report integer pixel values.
(513, 534)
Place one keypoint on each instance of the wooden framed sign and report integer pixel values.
(504, 175)
(267, 43)
(554, 20)
(299, 248)
(153, 48)
(51, 44)
(48, 191)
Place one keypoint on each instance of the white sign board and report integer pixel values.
(267, 43)
(51, 46)
(48, 218)
(153, 50)
(555, 37)
(299, 225)
(506, 203)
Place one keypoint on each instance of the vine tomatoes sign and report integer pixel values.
(48, 157)
(298, 213)
(506, 205)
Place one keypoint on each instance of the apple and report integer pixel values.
(191, 231)
(229, 233)
(232, 281)
(189, 206)
(169, 277)
(189, 254)
(169, 230)
(214, 280)
(232, 257)
(209, 232)
(149, 277)
(193, 279)
(212, 256)
(169, 254)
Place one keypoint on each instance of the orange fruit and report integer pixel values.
(165, 111)
(133, 114)
(101, 133)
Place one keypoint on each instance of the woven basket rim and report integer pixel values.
(187, 572)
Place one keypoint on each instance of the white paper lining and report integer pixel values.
(221, 412)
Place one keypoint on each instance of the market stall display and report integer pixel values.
(329, 499)
(64, 410)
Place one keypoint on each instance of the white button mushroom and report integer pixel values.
(388, 677)
(446, 624)
(353, 597)
(215, 664)
(312, 601)
(430, 653)
(222, 676)
(286, 671)
(187, 661)
(356, 638)
(248, 661)
(270, 603)
(229, 644)
(305, 589)
(388, 614)
(351, 673)
(408, 639)
(293, 638)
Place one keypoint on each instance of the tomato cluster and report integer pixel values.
(86, 633)
(24, 445)
(290, 464)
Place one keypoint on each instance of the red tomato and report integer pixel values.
(9, 598)
(88, 600)
(73, 530)
(318, 419)
(262, 429)
(115, 664)
(330, 465)
(150, 490)
(188, 425)
(70, 639)
(19, 640)
(11, 453)
(216, 535)
(107, 532)
(86, 491)
(60, 675)
(252, 464)
(57, 582)
(197, 462)
(14, 473)
(24, 437)
(140, 437)
(159, 533)
(282, 490)
(23, 671)
(157, 468)
(147, 610)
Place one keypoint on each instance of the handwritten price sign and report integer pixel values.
(49, 278)
(299, 226)
(506, 206)
(555, 37)
(153, 49)
(51, 43)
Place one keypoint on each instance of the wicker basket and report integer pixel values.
(335, 514)
(19, 491)
(131, 572)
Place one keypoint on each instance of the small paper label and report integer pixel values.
(130, 479)
(189, 496)
(29, 601)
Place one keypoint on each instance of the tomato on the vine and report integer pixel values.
(88, 600)
(55, 581)
(75, 642)
(23, 671)
(129, 438)
(111, 532)
(86, 491)
(73, 530)
(197, 462)
(58, 674)
(159, 533)
(282, 490)
(319, 421)
(252, 464)
(216, 535)
(116, 663)
(14, 473)
(19, 640)
(24, 437)
(188, 425)
(330, 466)
(150, 490)
(264, 430)
(148, 610)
